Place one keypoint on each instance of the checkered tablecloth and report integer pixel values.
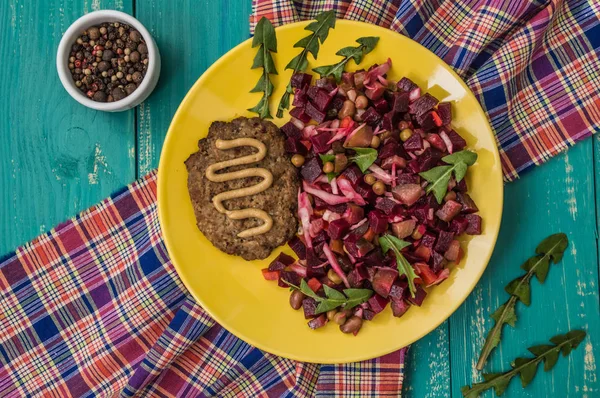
(95, 308)
(534, 65)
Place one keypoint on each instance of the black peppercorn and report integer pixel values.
(118, 94)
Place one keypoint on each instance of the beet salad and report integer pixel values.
(383, 197)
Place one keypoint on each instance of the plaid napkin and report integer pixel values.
(534, 65)
(94, 307)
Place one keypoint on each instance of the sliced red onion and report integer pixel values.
(357, 225)
(330, 216)
(442, 276)
(335, 124)
(430, 214)
(349, 192)
(309, 130)
(304, 212)
(393, 174)
(396, 219)
(414, 94)
(382, 80)
(297, 122)
(328, 198)
(447, 141)
(351, 95)
(299, 269)
(334, 186)
(381, 174)
(334, 264)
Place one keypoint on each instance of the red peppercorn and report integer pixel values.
(94, 53)
(95, 87)
(119, 51)
(90, 93)
(78, 64)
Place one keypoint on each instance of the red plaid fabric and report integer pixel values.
(534, 65)
(95, 308)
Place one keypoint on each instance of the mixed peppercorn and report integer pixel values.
(109, 61)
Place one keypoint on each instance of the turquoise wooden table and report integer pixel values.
(57, 158)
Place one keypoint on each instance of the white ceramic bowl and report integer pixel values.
(64, 51)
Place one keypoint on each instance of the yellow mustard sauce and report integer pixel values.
(211, 175)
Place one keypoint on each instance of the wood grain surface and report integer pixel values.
(58, 158)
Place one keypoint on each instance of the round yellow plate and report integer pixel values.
(233, 290)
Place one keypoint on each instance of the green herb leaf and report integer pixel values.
(309, 44)
(390, 242)
(527, 367)
(366, 45)
(364, 158)
(266, 40)
(334, 299)
(549, 250)
(439, 177)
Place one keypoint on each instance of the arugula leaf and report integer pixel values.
(549, 250)
(366, 45)
(264, 36)
(334, 299)
(364, 157)
(526, 368)
(309, 44)
(388, 242)
(439, 176)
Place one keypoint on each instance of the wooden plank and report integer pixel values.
(56, 156)
(427, 370)
(557, 197)
(191, 35)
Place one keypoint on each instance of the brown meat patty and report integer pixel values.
(279, 201)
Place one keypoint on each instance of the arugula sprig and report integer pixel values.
(264, 36)
(364, 158)
(439, 177)
(365, 46)
(309, 44)
(549, 250)
(390, 242)
(526, 368)
(334, 299)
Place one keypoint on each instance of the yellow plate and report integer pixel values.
(233, 290)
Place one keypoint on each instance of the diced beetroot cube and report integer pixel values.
(351, 248)
(315, 113)
(338, 228)
(399, 290)
(300, 98)
(407, 178)
(309, 305)
(428, 240)
(474, 227)
(298, 247)
(337, 102)
(312, 260)
(375, 92)
(290, 130)
(389, 120)
(318, 322)
(385, 204)
(381, 105)
(468, 204)
(320, 142)
(458, 143)
(353, 213)
(403, 229)
(353, 174)
(363, 247)
(439, 262)
(311, 170)
(378, 221)
(436, 141)
(270, 275)
(373, 259)
(396, 160)
(383, 280)
(322, 100)
(366, 191)
(314, 271)
(362, 271)
(414, 143)
(290, 277)
(429, 159)
(312, 92)
(400, 101)
(450, 210)
(293, 145)
(459, 225)
(423, 104)
(427, 121)
(419, 297)
(407, 193)
(320, 237)
(377, 303)
(300, 114)
(326, 84)
(406, 85)
(368, 314)
(444, 109)
(443, 241)
(371, 116)
(280, 262)
(461, 186)
(389, 148)
(300, 80)
(399, 308)
(354, 279)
